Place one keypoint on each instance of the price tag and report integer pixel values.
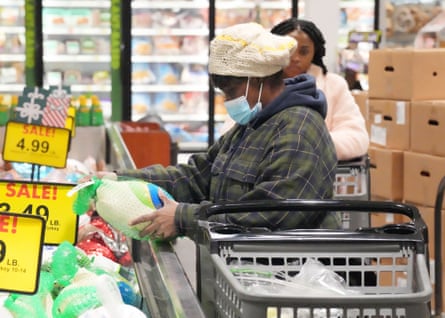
(47, 200)
(21, 243)
(36, 144)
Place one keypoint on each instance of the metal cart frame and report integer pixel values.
(353, 254)
(353, 182)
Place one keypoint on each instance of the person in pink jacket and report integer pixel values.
(344, 119)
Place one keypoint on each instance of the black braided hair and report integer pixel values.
(289, 25)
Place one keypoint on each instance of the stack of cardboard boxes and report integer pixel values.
(405, 113)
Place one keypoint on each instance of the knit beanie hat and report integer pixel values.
(249, 50)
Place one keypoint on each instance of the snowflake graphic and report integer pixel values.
(30, 110)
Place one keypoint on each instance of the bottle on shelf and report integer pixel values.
(14, 102)
(4, 111)
(96, 114)
(83, 112)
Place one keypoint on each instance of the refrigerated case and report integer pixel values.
(12, 46)
(76, 47)
(170, 41)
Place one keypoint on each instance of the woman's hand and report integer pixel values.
(161, 222)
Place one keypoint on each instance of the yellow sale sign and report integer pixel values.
(49, 201)
(43, 145)
(21, 242)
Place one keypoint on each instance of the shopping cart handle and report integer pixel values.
(297, 205)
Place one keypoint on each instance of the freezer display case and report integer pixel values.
(169, 73)
(12, 46)
(170, 41)
(76, 47)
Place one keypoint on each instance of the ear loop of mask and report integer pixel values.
(247, 87)
(259, 95)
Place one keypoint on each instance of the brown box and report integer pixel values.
(422, 174)
(361, 98)
(406, 74)
(386, 171)
(388, 123)
(427, 127)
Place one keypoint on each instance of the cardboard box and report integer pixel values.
(427, 127)
(422, 174)
(386, 171)
(361, 98)
(406, 73)
(389, 123)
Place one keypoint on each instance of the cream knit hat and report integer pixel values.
(248, 50)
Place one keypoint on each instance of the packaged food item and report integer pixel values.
(87, 46)
(101, 77)
(142, 74)
(167, 73)
(167, 45)
(141, 103)
(142, 47)
(119, 201)
(167, 102)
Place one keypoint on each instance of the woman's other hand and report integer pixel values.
(161, 222)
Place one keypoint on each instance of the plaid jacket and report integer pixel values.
(288, 155)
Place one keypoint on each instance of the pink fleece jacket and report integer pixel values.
(344, 119)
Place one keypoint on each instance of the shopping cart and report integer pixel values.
(353, 182)
(370, 261)
(438, 307)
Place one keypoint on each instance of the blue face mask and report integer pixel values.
(239, 109)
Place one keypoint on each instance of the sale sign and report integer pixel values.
(21, 243)
(50, 201)
(43, 145)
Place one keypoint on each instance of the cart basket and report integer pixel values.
(384, 267)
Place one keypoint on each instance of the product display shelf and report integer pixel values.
(12, 46)
(166, 289)
(169, 65)
(76, 46)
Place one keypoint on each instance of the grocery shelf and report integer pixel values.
(90, 88)
(169, 31)
(16, 88)
(12, 29)
(71, 58)
(65, 31)
(197, 4)
(138, 88)
(12, 57)
(75, 4)
(13, 3)
(189, 117)
(196, 59)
